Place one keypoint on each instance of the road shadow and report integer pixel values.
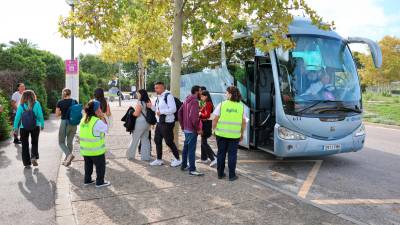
(4, 160)
(39, 191)
(116, 208)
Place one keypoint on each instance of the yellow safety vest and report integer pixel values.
(90, 145)
(230, 120)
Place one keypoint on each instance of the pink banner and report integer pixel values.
(71, 66)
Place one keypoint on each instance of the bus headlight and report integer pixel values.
(287, 134)
(360, 131)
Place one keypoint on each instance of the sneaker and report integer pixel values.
(184, 168)
(196, 173)
(69, 160)
(105, 184)
(175, 163)
(89, 183)
(233, 178)
(157, 162)
(213, 163)
(34, 162)
(202, 161)
(222, 177)
(27, 166)
(17, 141)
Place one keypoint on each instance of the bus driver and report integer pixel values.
(322, 87)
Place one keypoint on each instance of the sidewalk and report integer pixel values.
(141, 194)
(27, 195)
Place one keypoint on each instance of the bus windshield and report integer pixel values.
(318, 76)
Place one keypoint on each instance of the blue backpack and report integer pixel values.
(28, 119)
(74, 113)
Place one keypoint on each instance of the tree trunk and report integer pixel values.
(176, 56)
(141, 69)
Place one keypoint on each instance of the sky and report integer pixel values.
(37, 21)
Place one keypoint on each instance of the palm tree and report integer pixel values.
(23, 42)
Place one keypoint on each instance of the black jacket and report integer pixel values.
(129, 120)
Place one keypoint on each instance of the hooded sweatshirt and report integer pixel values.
(188, 114)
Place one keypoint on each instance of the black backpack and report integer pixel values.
(178, 104)
(28, 119)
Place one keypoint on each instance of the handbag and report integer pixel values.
(150, 116)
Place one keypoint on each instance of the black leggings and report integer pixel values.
(100, 163)
(206, 150)
(34, 153)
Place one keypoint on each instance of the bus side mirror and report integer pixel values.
(373, 47)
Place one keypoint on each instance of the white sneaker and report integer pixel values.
(213, 163)
(175, 163)
(157, 162)
(202, 161)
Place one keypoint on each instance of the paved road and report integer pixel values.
(363, 185)
(27, 196)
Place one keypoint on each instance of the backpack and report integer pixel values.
(28, 118)
(178, 104)
(74, 113)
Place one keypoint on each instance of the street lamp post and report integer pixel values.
(72, 4)
(119, 83)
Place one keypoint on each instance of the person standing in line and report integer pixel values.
(201, 102)
(165, 108)
(29, 118)
(141, 130)
(93, 128)
(229, 124)
(205, 114)
(189, 120)
(15, 101)
(104, 106)
(66, 131)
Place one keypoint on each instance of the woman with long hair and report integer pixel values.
(92, 143)
(30, 114)
(104, 106)
(67, 131)
(141, 131)
(205, 114)
(229, 124)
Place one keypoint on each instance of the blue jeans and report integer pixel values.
(189, 150)
(230, 146)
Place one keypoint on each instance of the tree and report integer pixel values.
(40, 70)
(389, 71)
(143, 36)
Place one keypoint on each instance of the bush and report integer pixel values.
(386, 94)
(5, 127)
(395, 92)
(368, 96)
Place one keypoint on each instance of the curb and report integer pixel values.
(382, 125)
(63, 206)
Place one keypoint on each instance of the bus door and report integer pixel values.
(261, 103)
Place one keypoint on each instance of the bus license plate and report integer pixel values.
(332, 147)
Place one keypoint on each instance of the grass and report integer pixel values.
(381, 108)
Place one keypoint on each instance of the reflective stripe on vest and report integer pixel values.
(90, 145)
(230, 120)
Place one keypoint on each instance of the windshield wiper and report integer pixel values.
(315, 104)
(342, 108)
